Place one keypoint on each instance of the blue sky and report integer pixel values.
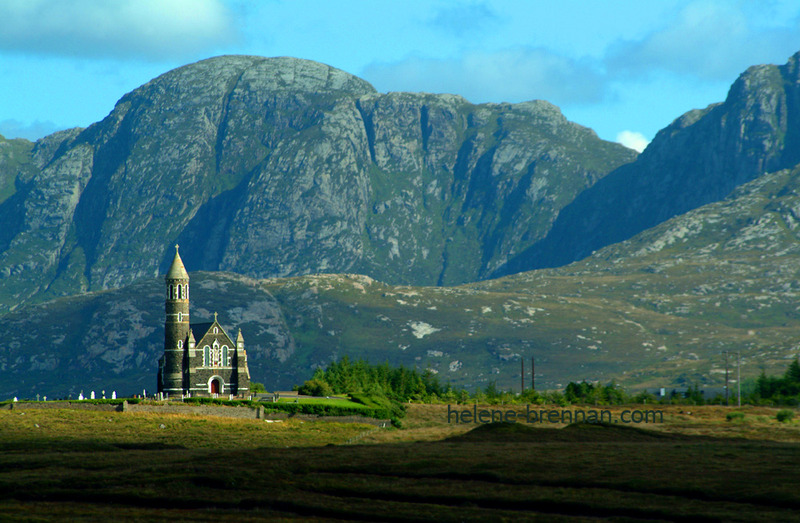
(624, 68)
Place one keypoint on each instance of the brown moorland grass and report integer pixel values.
(99, 465)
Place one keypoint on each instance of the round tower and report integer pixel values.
(176, 327)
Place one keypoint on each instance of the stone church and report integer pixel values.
(200, 359)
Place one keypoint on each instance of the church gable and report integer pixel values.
(215, 348)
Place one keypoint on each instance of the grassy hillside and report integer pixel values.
(95, 466)
(14, 158)
(657, 310)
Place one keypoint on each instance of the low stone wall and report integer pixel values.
(77, 405)
(196, 410)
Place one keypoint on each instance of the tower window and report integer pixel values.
(180, 342)
(180, 316)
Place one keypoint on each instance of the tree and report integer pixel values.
(793, 372)
(695, 395)
(316, 387)
(582, 392)
(256, 387)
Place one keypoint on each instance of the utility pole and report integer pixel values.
(738, 378)
(521, 375)
(726, 377)
(533, 380)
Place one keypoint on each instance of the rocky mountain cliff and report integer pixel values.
(332, 176)
(700, 158)
(658, 310)
(279, 167)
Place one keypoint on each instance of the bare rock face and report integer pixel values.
(700, 158)
(279, 167)
(283, 167)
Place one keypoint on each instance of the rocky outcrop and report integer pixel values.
(279, 167)
(321, 173)
(700, 158)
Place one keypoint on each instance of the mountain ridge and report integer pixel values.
(657, 308)
(699, 158)
(280, 167)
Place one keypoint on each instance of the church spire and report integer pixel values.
(177, 271)
(176, 328)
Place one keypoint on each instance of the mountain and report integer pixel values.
(280, 167)
(700, 158)
(658, 310)
(706, 220)
(14, 159)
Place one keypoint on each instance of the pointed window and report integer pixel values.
(180, 342)
(226, 362)
(216, 355)
(206, 356)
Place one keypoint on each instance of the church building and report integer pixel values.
(200, 359)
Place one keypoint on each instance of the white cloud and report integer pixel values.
(511, 75)
(33, 131)
(149, 29)
(633, 140)
(465, 20)
(708, 39)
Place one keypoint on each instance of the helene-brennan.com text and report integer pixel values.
(475, 414)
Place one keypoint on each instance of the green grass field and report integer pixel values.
(333, 402)
(70, 464)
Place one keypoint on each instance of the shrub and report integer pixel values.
(316, 387)
(731, 416)
(383, 407)
(257, 388)
(784, 415)
(321, 409)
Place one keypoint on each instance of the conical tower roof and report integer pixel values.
(177, 271)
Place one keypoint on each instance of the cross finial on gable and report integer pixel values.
(215, 316)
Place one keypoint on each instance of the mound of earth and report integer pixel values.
(575, 432)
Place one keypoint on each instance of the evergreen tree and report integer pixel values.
(793, 372)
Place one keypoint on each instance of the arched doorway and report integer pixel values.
(215, 386)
